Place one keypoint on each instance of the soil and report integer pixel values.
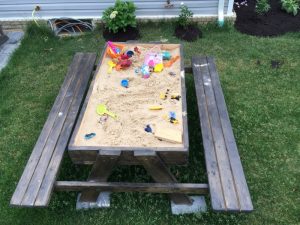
(273, 23)
(131, 33)
(190, 33)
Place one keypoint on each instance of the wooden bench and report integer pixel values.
(227, 184)
(39, 176)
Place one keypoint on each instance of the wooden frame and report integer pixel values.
(88, 154)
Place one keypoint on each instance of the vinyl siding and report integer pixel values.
(22, 9)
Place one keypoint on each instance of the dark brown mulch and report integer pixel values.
(273, 23)
(190, 33)
(131, 33)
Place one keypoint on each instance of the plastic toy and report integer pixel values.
(148, 129)
(155, 107)
(175, 96)
(166, 55)
(164, 96)
(158, 67)
(124, 56)
(114, 50)
(124, 83)
(129, 53)
(171, 61)
(170, 119)
(151, 63)
(111, 66)
(136, 49)
(101, 110)
(172, 114)
(123, 64)
(89, 136)
(153, 57)
(145, 71)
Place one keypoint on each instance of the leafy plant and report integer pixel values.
(262, 6)
(120, 16)
(290, 6)
(185, 16)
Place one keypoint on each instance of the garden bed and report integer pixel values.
(273, 23)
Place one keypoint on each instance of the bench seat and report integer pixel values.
(39, 176)
(227, 184)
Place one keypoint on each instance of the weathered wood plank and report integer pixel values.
(45, 191)
(232, 150)
(215, 187)
(39, 146)
(100, 172)
(227, 179)
(39, 173)
(185, 188)
(160, 173)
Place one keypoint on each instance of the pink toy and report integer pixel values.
(153, 57)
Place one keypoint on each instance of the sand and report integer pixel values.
(131, 105)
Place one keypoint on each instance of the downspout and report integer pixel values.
(230, 8)
(221, 13)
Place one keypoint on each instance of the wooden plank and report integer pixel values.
(185, 188)
(39, 146)
(160, 173)
(213, 173)
(167, 134)
(45, 191)
(88, 157)
(183, 100)
(232, 150)
(100, 172)
(227, 179)
(36, 180)
(85, 103)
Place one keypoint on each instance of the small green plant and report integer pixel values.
(185, 16)
(262, 6)
(290, 6)
(120, 16)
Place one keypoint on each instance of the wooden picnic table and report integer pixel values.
(226, 181)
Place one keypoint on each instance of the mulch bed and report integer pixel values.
(191, 33)
(131, 33)
(273, 23)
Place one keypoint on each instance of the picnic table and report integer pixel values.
(226, 181)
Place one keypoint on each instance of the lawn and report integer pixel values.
(263, 105)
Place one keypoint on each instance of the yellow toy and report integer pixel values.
(158, 67)
(155, 107)
(111, 66)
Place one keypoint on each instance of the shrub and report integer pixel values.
(290, 6)
(185, 16)
(262, 6)
(120, 16)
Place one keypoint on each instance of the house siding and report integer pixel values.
(93, 9)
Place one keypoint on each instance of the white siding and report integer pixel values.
(22, 9)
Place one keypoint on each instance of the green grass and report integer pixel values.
(263, 105)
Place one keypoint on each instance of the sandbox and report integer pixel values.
(132, 105)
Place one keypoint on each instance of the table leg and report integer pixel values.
(160, 173)
(102, 168)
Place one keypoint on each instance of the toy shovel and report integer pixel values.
(101, 110)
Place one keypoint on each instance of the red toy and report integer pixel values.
(123, 64)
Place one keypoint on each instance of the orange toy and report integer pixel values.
(112, 53)
(171, 61)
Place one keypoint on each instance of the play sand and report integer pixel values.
(131, 105)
